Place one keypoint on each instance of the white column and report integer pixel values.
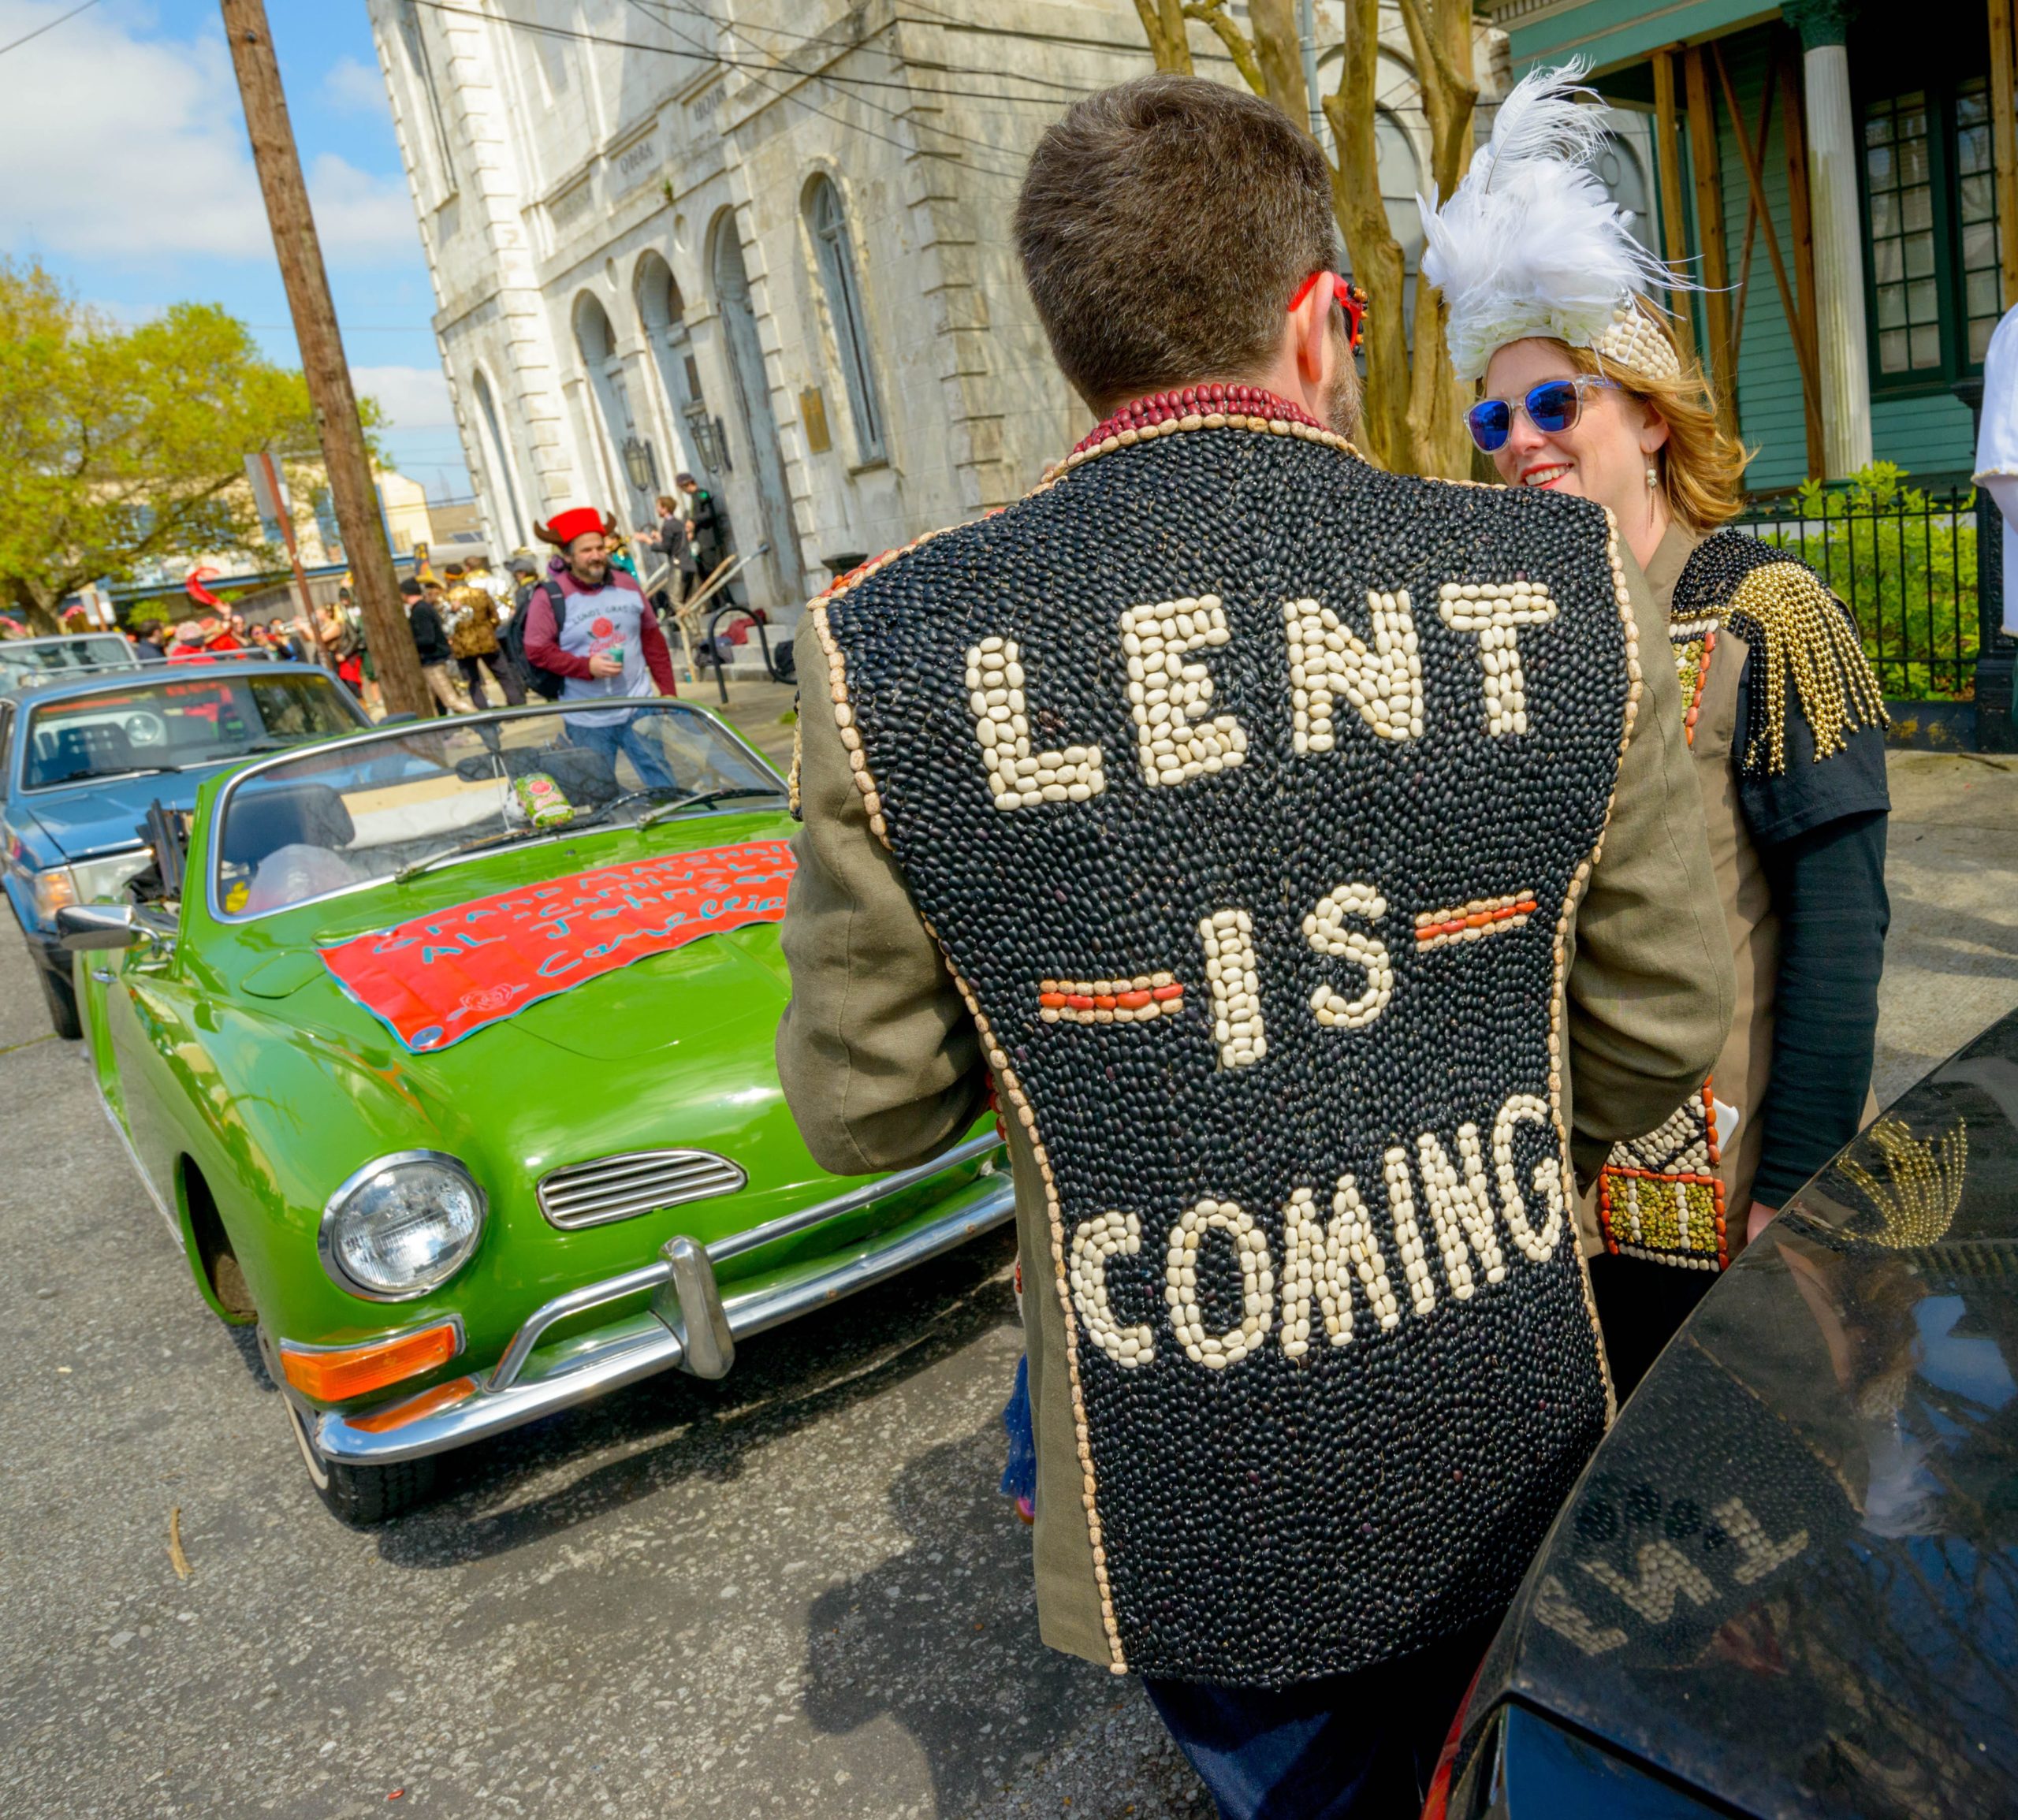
(1832, 178)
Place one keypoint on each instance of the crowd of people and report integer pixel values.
(462, 620)
(1532, 837)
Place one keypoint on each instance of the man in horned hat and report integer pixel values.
(588, 624)
(1287, 847)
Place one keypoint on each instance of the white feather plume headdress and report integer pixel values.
(1531, 244)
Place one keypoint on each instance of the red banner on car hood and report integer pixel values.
(437, 979)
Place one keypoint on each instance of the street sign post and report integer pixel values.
(269, 497)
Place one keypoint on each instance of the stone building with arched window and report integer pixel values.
(774, 251)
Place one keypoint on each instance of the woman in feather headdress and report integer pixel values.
(1582, 390)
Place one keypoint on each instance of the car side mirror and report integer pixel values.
(81, 927)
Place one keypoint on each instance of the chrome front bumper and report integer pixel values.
(691, 1323)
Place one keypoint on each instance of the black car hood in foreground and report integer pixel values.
(1789, 1578)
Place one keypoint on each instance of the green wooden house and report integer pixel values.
(1837, 172)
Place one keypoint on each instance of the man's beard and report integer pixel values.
(1341, 401)
(591, 569)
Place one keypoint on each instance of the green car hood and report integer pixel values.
(719, 991)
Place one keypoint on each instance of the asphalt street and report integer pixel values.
(795, 1591)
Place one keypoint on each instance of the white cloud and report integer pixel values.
(359, 216)
(351, 86)
(411, 397)
(118, 147)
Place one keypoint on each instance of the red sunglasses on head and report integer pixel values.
(1350, 298)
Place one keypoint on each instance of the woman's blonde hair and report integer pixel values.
(1702, 465)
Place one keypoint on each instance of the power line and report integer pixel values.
(755, 72)
(50, 26)
(845, 44)
(775, 67)
(660, 50)
(349, 328)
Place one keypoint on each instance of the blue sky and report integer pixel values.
(127, 174)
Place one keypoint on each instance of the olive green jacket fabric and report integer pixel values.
(880, 1065)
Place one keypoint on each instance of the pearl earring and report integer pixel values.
(1653, 477)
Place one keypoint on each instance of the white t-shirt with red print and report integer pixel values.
(605, 621)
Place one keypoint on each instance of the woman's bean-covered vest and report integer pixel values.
(1249, 791)
(1679, 1195)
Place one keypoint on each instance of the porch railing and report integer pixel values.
(1904, 562)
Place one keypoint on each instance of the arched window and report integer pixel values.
(497, 457)
(835, 251)
(1618, 168)
(1400, 179)
(635, 469)
(1397, 102)
(662, 312)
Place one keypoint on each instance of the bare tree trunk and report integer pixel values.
(1440, 35)
(1276, 51)
(1370, 243)
(39, 616)
(1163, 24)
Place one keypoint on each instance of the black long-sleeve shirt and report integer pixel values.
(428, 640)
(1819, 827)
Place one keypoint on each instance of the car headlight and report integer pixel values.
(105, 880)
(51, 890)
(401, 1225)
(89, 881)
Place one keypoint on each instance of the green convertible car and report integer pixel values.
(445, 1049)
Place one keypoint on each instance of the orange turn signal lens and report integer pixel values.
(334, 1374)
(392, 1416)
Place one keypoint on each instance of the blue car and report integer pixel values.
(87, 762)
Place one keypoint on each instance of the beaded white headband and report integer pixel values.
(1632, 340)
(1531, 244)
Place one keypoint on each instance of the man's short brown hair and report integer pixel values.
(1164, 226)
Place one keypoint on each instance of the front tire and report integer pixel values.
(60, 994)
(362, 1496)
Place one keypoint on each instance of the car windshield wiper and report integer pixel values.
(701, 799)
(124, 770)
(504, 837)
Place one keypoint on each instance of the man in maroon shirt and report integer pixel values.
(589, 624)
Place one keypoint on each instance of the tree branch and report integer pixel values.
(1212, 13)
(1424, 42)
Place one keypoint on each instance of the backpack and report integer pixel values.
(543, 683)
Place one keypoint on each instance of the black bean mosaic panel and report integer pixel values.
(1267, 1516)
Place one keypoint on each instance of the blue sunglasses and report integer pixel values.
(1555, 405)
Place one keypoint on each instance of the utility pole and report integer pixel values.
(322, 364)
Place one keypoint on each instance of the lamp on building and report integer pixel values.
(701, 428)
(638, 463)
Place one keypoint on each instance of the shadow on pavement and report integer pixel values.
(943, 1637)
(783, 1381)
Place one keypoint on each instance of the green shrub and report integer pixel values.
(1905, 565)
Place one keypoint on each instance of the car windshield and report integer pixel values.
(35, 660)
(390, 806)
(169, 726)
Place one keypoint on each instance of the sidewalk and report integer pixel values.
(762, 712)
(1951, 961)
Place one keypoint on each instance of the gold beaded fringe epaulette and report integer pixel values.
(1800, 632)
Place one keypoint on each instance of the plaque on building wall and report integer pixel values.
(812, 413)
(634, 163)
(569, 207)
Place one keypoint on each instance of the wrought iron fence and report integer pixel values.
(1904, 562)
